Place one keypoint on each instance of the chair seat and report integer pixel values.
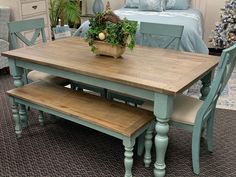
(37, 76)
(184, 111)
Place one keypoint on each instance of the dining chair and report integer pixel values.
(170, 38)
(193, 114)
(16, 28)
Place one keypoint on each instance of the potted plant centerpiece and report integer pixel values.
(109, 35)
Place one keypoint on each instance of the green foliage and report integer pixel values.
(120, 33)
(69, 10)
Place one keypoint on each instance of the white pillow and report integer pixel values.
(177, 4)
(132, 3)
(152, 5)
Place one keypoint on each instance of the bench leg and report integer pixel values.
(140, 147)
(16, 117)
(23, 116)
(41, 118)
(148, 145)
(128, 161)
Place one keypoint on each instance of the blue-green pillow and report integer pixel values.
(177, 4)
(152, 5)
(132, 3)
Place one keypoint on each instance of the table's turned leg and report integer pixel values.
(22, 109)
(128, 161)
(163, 106)
(17, 74)
(16, 117)
(206, 83)
(23, 116)
(148, 145)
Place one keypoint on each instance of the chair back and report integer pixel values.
(17, 27)
(170, 34)
(223, 73)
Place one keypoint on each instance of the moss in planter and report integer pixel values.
(117, 31)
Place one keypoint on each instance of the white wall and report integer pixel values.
(212, 16)
(212, 13)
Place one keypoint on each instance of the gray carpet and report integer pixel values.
(67, 149)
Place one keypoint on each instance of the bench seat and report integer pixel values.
(116, 119)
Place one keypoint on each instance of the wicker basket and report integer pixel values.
(104, 48)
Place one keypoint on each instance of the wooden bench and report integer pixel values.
(116, 119)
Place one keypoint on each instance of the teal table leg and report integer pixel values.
(140, 144)
(128, 161)
(17, 74)
(23, 116)
(22, 109)
(206, 83)
(148, 145)
(16, 117)
(163, 106)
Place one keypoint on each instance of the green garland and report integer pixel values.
(120, 33)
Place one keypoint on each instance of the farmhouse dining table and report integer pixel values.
(153, 74)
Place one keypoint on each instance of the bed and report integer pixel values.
(191, 19)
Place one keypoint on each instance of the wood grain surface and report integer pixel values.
(160, 70)
(118, 117)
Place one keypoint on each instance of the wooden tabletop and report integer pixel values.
(155, 69)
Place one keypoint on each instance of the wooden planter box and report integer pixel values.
(104, 48)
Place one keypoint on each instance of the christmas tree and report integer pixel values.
(224, 34)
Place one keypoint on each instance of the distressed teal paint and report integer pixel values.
(148, 145)
(163, 106)
(128, 142)
(16, 117)
(206, 83)
(207, 110)
(140, 145)
(23, 116)
(128, 160)
(174, 33)
(16, 27)
(130, 90)
(17, 76)
(15, 31)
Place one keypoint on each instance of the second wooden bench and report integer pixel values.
(116, 119)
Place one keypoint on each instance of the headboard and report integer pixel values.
(200, 5)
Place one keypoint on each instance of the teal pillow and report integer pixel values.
(152, 5)
(132, 3)
(177, 4)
